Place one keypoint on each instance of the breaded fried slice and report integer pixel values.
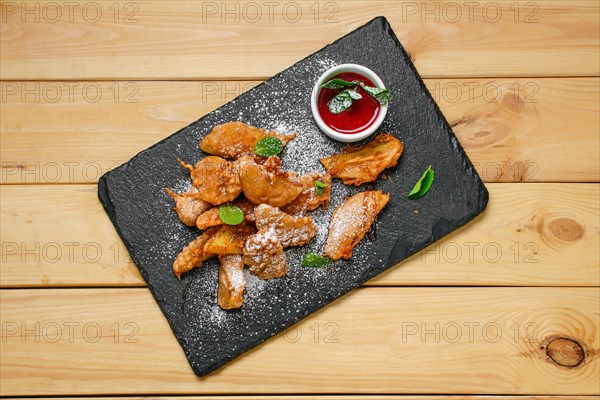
(264, 256)
(230, 293)
(188, 206)
(193, 255)
(357, 165)
(351, 220)
(267, 184)
(216, 179)
(310, 198)
(291, 231)
(233, 139)
(228, 239)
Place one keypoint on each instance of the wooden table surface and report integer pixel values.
(507, 306)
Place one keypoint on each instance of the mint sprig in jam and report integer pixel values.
(344, 99)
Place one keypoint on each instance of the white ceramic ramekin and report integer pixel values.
(327, 75)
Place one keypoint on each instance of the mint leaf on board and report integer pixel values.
(379, 94)
(268, 146)
(313, 260)
(337, 83)
(231, 214)
(319, 187)
(423, 185)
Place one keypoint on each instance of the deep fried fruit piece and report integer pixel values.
(193, 255)
(267, 184)
(216, 179)
(228, 239)
(308, 199)
(351, 220)
(234, 139)
(188, 206)
(291, 231)
(232, 283)
(263, 254)
(358, 165)
(315, 200)
(211, 217)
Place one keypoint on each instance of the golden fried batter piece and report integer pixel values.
(232, 283)
(291, 231)
(308, 199)
(267, 184)
(351, 220)
(314, 199)
(228, 239)
(193, 255)
(357, 165)
(188, 206)
(234, 139)
(216, 179)
(264, 256)
(211, 217)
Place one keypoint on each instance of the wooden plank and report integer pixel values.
(512, 129)
(326, 397)
(375, 340)
(531, 234)
(214, 40)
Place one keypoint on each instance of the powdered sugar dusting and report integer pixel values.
(182, 186)
(303, 288)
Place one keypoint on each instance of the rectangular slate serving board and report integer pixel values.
(133, 196)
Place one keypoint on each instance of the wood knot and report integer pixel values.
(566, 229)
(481, 134)
(478, 134)
(565, 352)
(513, 102)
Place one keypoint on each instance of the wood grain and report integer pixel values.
(374, 340)
(184, 39)
(512, 129)
(334, 397)
(531, 234)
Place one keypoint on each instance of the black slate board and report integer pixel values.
(133, 196)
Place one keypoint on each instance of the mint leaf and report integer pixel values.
(379, 94)
(337, 83)
(268, 146)
(423, 185)
(313, 260)
(343, 100)
(319, 187)
(354, 94)
(231, 214)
